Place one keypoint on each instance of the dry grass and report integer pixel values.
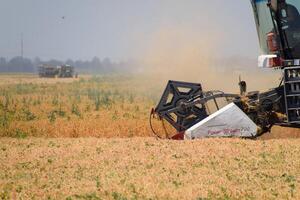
(145, 168)
(103, 106)
(23, 78)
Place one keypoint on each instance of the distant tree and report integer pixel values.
(70, 62)
(54, 62)
(20, 64)
(27, 65)
(107, 65)
(96, 64)
(37, 61)
(3, 65)
(79, 66)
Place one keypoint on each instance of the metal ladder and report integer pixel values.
(292, 93)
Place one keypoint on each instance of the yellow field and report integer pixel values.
(103, 106)
(145, 168)
(89, 138)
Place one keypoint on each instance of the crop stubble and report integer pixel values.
(144, 168)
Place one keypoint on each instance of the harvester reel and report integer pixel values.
(178, 95)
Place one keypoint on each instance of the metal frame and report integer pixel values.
(185, 109)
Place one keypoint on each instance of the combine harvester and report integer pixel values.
(63, 71)
(187, 108)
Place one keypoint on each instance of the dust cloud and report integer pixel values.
(182, 54)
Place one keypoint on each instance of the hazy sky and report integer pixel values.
(122, 29)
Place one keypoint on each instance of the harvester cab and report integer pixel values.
(278, 27)
(188, 108)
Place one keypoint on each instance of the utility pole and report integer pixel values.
(22, 46)
(22, 54)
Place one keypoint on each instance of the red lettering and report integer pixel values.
(225, 131)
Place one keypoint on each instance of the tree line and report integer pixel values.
(95, 65)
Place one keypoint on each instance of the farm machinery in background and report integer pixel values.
(196, 113)
(63, 71)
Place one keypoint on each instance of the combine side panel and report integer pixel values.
(229, 121)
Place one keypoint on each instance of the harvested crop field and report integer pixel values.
(89, 138)
(146, 168)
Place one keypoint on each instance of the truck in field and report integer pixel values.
(63, 71)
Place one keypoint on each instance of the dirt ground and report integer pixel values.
(278, 132)
(146, 168)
